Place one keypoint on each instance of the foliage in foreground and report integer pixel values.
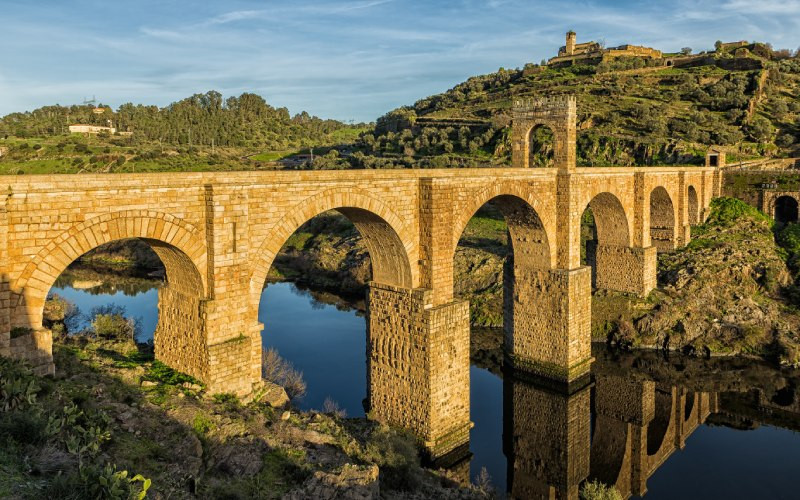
(279, 371)
(595, 490)
(60, 436)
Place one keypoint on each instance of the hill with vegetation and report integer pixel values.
(201, 132)
(629, 112)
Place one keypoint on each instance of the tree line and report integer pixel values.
(201, 119)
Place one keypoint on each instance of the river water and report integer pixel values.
(682, 429)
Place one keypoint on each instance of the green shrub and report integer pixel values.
(595, 490)
(113, 326)
(109, 483)
(24, 427)
(788, 237)
(18, 386)
(159, 372)
(201, 425)
(80, 433)
(228, 401)
(725, 211)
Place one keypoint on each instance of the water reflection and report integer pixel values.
(651, 426)
(323, 338)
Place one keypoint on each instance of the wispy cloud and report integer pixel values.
(762, 7)
(338, 58)
(237, 15)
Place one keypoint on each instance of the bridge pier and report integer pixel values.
(623, 269)
(547, 318)
(185, 341)
(418, 357)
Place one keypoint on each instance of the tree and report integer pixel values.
(686, 51)
(760, 129)
(718, 45)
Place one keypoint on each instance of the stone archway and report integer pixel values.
(541, 146)
(179, 245)
(179, 339)
(662, 220)
(786, 209)
(557, 113)
(615, 264)
(389, 242)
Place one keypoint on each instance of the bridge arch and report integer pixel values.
(556, 113)
(179, 245)
(613, 227)
(658, 429)
(389, 241)
(528, 213)
(785, 209)
(662, 219)
(541, 146)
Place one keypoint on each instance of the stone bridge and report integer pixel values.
(218, 234)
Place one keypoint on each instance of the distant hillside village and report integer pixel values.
(739, 55)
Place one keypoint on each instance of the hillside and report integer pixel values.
(629, 111)
(201, 132)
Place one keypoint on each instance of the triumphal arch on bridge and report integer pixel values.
(218, 234)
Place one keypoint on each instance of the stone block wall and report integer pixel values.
(557, 113)
(546, 315)
(448, 329)
(36, 348)
(180, 337)
(230, 366)
(663, 238)
(419, 365)
(623, 269)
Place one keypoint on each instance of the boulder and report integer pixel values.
(351, 482)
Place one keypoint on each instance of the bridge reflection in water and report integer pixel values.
(615, 429)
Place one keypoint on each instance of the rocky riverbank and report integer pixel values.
(729, 292)
(114, 423)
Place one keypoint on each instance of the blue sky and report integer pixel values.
(351, 59)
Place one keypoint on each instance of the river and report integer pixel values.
(684, 428)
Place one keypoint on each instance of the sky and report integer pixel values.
(348, 60)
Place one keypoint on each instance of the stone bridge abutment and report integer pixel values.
(218, 234)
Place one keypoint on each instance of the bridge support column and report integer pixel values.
(185, 340)
(234, 347)
(623, 269)
(663, 238)
(547, 316)
(684, 235)
(418, 356)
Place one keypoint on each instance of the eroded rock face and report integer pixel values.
(723, 295)
(352, 482)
